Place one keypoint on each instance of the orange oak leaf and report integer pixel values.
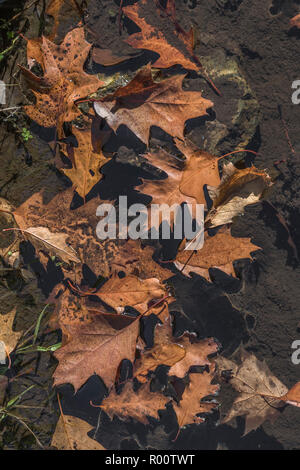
(191, 403)
(293, 395)
(144, 103)
(87, 162)
(131, 291)
(295, 21)
(95, 347)
(174, 48)
(218, 251)
(164, 352)
(179, 353)
(137, 405)
(64, 80)
(185, 182)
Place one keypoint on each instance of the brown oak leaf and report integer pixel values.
(87, 162)
(191, 403)
(131, 291)
(259, 390)
(96, 347)
(174, 48)
(219, 251)
(295, 21)
(185, 182)
(137, 405)
(144, 103)
(64, 80)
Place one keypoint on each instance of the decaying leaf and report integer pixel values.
(64, 80)
(8, 338)
(106, 58)
(191, 403)
(137, 405)
(87, 162)
(144, 103)
(95, 347)
(238, 189)
(259, 390)
(218, 251)
(53, 243)
(71, 434)
(130, 291)
(153, 38)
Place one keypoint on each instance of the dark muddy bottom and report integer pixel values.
(260, 309)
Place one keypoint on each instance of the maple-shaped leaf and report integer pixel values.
(173, 48)
(131, 291)
(87, 162)
(259, 390)
(191, 404)
(295, 21)
(238, 189)
(219, 251)
(137, 405)
(143, 103)
(185, 182)
(72, 434)
(95, 347)
(54, 243)
(64, 80)
(8, 338)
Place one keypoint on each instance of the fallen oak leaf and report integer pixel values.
(164, 352)
(238, 188)
(143, 103)
(292, 397)
(260, 392)
(64, 80)
(137, 405)
(185, 182)
(106, 58)
(87, 162)
(153, 38)
(71, 433)
(219, 251)
(191, 404)
(180, 354)
(130, 291)
(95, 347)
(295, 21)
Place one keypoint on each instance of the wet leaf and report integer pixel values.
(8, 338)
(64, 80)
(144, 103)
(137, 405)
(259, 390)
(238, 189)
(219, 251)
(71, 434)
